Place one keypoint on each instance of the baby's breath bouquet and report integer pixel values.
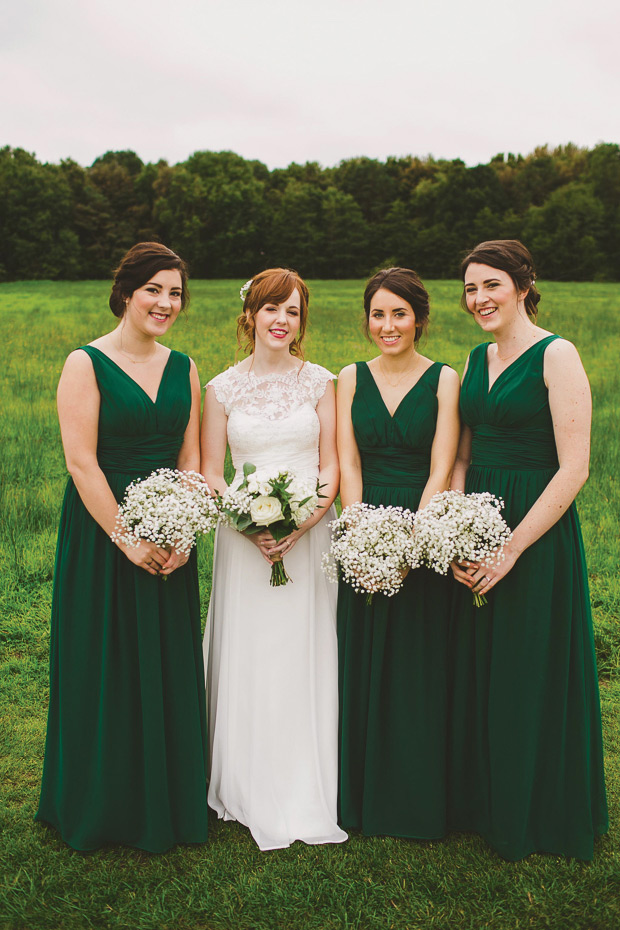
(457, 527)
(276, 499)
(169, 508)
(372, 548)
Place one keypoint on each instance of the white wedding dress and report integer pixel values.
(270, 653)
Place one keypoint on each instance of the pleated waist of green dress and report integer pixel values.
(392, 466)
(517, 449)
(138, 455)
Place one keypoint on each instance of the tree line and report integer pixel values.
(229, 217)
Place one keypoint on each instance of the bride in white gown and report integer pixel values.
(270, 653)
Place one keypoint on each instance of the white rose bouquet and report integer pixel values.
(278, 500)
(457, 527)
(372, 548)
(169, 508)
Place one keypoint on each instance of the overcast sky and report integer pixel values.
(318, 80)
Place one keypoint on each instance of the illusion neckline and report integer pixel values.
(270, 375)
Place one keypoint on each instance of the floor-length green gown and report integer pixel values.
(526, 762)
(125, 756)
(393, 652)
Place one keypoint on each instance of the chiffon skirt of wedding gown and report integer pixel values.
(271, 660)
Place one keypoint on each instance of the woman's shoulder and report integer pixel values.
(559, 353)
(314, 379)
(310, 371)
(480, 351)
(348, 374)
(317, 371)
(230, 375)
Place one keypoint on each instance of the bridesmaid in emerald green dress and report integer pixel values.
(525, 747)
(126, 740)
(398, 431)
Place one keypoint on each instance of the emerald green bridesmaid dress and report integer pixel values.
(125, 756)
(526, 760)
(393, 652)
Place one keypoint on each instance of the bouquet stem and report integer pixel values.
(279, 574)
(479, 599)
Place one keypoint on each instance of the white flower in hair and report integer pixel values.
(246, 287)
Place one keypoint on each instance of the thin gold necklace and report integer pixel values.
(404, 375)
(136, 361)
(504, 358)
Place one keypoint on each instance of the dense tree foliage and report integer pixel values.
(230, 217)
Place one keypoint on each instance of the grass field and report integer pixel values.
(368, 883)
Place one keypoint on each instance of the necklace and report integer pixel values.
(504, 358)
(405, 374)
(137, 361)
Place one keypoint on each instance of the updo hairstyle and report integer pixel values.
(407, 285)
(138, 266)
(272, 286)
(511, 256)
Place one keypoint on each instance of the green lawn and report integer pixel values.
(457, 884)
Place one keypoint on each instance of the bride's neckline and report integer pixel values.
(272, 375)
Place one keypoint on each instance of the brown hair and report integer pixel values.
(511, 256)
(138, 266)
(272, 286)
(407, 285)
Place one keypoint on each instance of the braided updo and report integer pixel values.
(511, 256)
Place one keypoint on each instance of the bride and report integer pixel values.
(271, 653)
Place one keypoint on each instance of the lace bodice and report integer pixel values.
(272, 419)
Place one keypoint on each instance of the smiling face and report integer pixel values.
(491, 297)
(276, 325)
(153, 307)
(391, 323)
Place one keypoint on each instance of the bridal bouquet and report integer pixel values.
(169, 508)
(457, 527)
(372, 548)
(277, 499)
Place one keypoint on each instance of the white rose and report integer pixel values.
(265, 510)
(252, 483)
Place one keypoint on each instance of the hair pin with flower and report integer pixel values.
(246, 287)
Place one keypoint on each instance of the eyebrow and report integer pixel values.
(381, 309)
(486, 281)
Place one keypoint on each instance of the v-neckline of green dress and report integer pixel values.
(404, 397)
(133, 380)
(488, 388)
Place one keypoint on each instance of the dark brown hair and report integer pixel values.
(138, 266)
(407, 285)
(272, 286)
(511, 256)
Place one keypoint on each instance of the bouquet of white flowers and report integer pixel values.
(457, 527)
(277, 499)
(169, 508)
(372, 548)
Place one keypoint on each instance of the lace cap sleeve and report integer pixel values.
(315, 379)
(224, 387)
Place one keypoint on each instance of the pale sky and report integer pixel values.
(322, 80)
